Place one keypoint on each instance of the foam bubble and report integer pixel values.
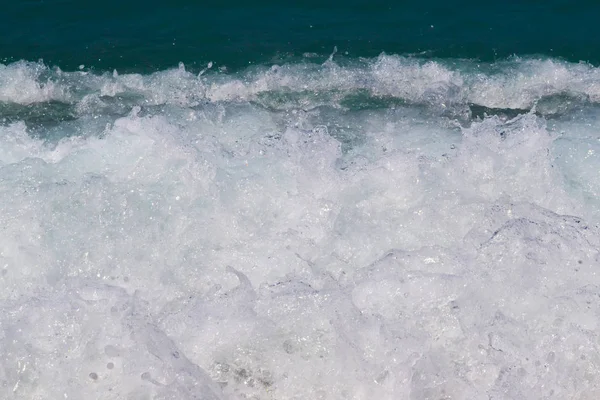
(26, 83)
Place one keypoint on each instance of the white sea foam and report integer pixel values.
(512, 84)
(188, 238)
(26, 83)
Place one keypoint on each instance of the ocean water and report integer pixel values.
(275, 201)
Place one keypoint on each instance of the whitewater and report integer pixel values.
(382, 228)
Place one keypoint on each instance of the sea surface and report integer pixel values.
(316, 200)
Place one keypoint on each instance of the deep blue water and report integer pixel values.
(152, 35)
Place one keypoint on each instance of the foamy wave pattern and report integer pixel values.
(512, 84)
(175, 236)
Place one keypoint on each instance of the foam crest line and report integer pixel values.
(517, 83)
(302, 231)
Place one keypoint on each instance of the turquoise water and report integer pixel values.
(299, 201)
(151, 35)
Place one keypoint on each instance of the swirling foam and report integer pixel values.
(204, 244)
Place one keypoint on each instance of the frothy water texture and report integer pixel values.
(387, 228)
